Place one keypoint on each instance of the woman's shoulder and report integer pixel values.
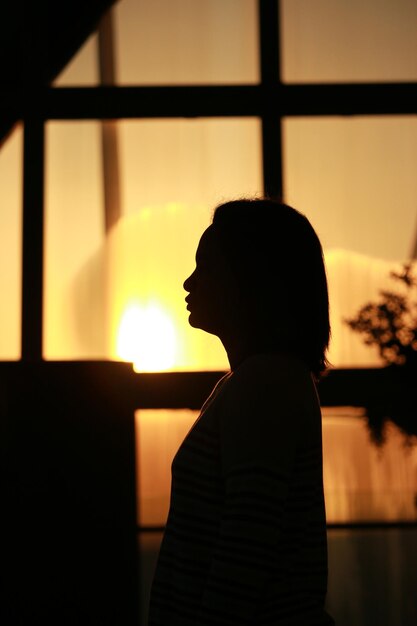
(270, 377)
(268, 392)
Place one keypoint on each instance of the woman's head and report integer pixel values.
(270, 262)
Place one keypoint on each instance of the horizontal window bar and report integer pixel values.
(213, 101)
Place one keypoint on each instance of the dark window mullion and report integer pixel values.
(269, 47)
(33, 226)
(287, 100)
(34, 56)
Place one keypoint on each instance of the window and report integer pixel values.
(11, 245)
(199, 102)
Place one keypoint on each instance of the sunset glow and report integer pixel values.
(147, 338)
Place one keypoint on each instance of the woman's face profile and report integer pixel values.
(212, 287)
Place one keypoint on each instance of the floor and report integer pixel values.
(372, 575)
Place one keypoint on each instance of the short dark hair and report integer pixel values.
(276, 254)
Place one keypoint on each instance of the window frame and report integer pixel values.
(270, 100)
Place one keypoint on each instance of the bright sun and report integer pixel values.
(146, 337)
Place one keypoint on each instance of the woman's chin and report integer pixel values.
(200, 325)
(193, 321)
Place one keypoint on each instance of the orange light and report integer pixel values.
(146, 259)
(147, 338)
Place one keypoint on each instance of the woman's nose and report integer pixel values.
(187, 282)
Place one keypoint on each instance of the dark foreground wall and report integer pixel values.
(68, 540)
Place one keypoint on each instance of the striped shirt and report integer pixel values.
(245, 540)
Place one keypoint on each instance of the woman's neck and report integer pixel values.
(239, 348)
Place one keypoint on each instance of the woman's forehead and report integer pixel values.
(208, 244)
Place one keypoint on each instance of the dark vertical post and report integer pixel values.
(109, 143)
(269, 38)
(32, 70)
(32, 266)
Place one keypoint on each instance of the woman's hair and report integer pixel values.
(278, 262)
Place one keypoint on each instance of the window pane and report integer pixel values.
(121, 296)
(173, 173)
(364, 482)
(82, 70)
(355, 179)
(349, 40)
(183, 41)
(74, 313)
(11, 244)
(159, 434)
(175, 42)
(193, 162)
(379, 486)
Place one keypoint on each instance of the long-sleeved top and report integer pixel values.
(245, 540)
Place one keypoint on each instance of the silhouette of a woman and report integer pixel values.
(245, 540)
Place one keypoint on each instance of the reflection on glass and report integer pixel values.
(11, 244)
(355, 41)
